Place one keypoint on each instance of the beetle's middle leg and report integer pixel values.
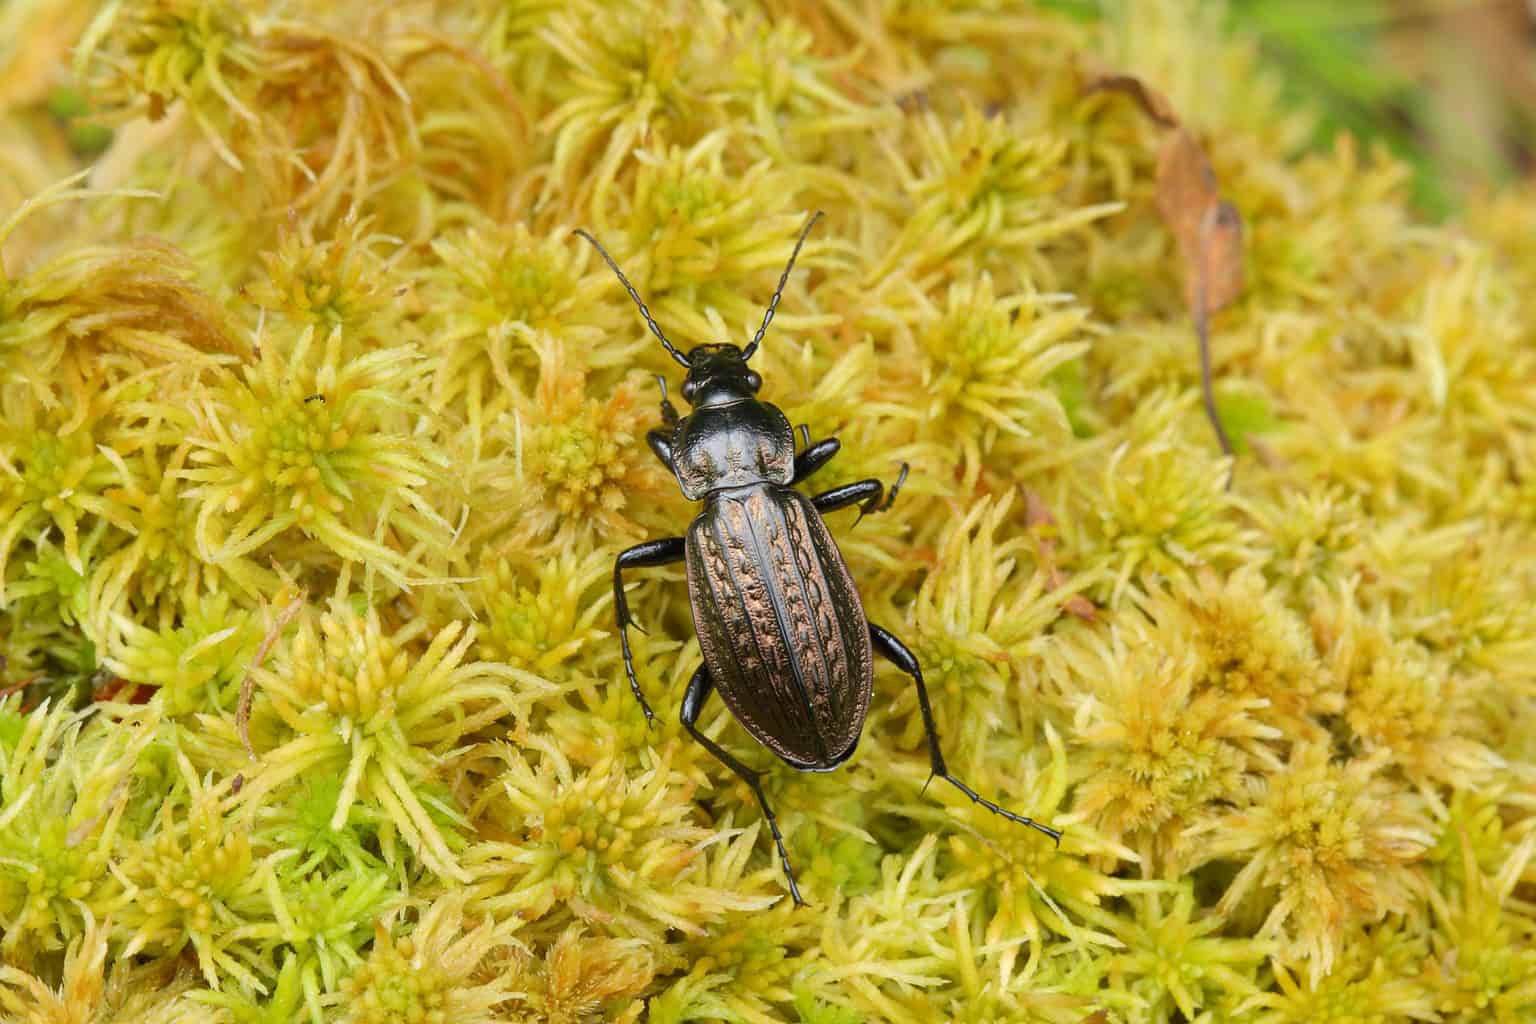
(652, 552)
(870, 495)
(699, 689)
(812, 457)
(896, 652)
(661, 440)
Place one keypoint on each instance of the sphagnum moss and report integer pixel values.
(309, 392)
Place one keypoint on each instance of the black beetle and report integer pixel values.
(779, 619)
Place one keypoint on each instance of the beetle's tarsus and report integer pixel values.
(634, 681)
(896, 652)
(901, 478)
(879, 504)
(1002, 811)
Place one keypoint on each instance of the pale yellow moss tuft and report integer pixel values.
(320, 430)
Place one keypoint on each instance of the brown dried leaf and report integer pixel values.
(1207, 229)
(1221, 255)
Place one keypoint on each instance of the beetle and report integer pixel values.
(779, 620)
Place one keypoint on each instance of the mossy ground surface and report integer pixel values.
(309, 390)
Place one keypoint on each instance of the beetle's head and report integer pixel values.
(719, 375)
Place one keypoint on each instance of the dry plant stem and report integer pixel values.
(248, 684)
(1207, 392)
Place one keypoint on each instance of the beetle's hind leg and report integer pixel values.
(896, 652)
(652, 552)
(699, 689)
(870, 495)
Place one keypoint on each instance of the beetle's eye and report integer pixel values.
(753, 380)
(689, 387)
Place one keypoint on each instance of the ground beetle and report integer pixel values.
(778, 617)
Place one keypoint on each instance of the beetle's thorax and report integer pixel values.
(734, 445)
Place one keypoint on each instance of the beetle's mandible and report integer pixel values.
(779, 620)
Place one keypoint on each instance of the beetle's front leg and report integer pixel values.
(870, 495)
(661, 440)
(699, 689)
(668, 410)
(896, 652)
(661, 443)
(652, 552)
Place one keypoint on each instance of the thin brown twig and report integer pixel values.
(1203, 336)
(248, 684)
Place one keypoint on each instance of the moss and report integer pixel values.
(321, 430)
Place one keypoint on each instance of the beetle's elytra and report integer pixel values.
(779, 620)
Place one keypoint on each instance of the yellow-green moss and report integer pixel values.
(308, 392)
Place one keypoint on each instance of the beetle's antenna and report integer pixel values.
(650, 321)
(773, 303)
